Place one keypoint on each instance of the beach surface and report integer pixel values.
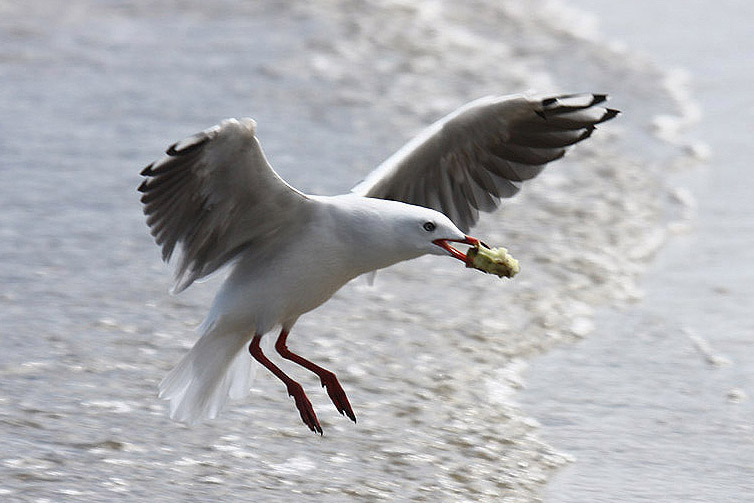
(434, 357)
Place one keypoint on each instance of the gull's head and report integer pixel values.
(385, 232)
(431, 232)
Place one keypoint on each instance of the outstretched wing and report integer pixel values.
(468, 160)
(213, 195)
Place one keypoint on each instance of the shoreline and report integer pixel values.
(661, 392)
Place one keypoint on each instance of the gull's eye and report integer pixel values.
(429, 226)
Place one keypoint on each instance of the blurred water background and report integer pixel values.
(635, 246)
(657, 404)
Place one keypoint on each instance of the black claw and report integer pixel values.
(312, 423)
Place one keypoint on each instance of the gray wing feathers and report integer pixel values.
(482, 152)
(213, 195)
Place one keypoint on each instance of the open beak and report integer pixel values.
(445, 243)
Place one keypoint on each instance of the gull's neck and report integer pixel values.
(365, 231)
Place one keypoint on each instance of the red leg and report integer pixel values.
(327, 378)
(295, 390)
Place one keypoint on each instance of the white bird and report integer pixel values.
(215, 198)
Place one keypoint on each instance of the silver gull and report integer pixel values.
(216, 201)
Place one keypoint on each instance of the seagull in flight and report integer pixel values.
(215, 200)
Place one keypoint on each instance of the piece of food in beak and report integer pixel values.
(492, 260)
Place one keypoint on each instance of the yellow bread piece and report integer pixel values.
(492, 261)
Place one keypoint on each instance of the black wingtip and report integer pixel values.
(143, 187)
(549, 101)
(147, 171)
(598, 98)
(609, 114)
(559, 105)
(188, 145)
(171, 151)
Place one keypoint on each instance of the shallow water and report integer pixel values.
(431, 356)
(656, 404)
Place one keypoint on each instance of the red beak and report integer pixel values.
(444, 243)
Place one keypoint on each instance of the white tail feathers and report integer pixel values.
(215, 369)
